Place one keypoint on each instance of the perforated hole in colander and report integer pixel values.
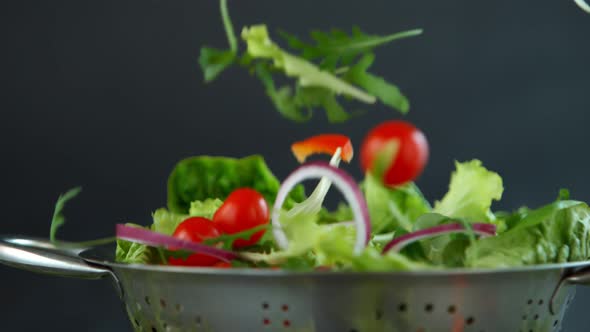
(452, 309)
(378, 314)
(402, 307)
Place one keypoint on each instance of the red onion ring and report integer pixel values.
(341, 180)
(400, 242)
(147, 237)
(584, 5)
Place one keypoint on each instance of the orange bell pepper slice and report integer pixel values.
(323, 143)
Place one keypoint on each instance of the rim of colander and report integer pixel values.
(87, 256)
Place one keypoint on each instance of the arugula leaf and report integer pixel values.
(227, 240)
(283, 99)
(316, 86)
(307, 74)
(58, 218)
(387, 93)
(298, 105)
(341, 48)
(228, 26)
(213, 61)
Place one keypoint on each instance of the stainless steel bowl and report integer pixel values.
(168, 298)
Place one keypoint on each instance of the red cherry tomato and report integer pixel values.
(222, 265)
(411, 156)
(195, 229)
(243, 209)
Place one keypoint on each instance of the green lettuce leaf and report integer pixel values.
(340, 255)
(135, 253)
(165, 222)
(205, 177)
(393, 208)
(471, 192)
(205, 209)
(555, 233)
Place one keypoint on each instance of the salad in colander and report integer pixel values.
(227, 212)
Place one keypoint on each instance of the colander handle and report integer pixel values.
(579, 277)
(42, 256)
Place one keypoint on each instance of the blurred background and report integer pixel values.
(108, 95)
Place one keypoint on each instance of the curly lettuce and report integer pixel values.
(472, 190)
(207, 177)
(555, 233)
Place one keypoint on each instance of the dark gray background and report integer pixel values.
(108, 95)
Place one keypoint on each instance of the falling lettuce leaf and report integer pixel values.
(338, 70)
(307, 74)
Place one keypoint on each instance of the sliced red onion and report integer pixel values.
(584, 5)
(400, 242)
(341, 180)
(147, 237)
(313, 204)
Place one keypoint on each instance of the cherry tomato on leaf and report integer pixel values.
(242, 210)
(195, 229)
(395, 151)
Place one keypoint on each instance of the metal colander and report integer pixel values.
(165, 298)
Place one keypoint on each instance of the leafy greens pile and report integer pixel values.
(555, 233)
